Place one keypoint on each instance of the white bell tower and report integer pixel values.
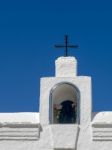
(54, 91)
(66, 73)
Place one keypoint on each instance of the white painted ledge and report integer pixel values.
(102, 126)
(19, 126)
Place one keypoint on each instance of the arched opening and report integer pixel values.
(64, 104)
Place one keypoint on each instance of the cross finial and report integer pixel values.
(66, 46)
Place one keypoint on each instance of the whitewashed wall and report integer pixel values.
(34, 131)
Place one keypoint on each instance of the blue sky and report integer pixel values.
(28, 32)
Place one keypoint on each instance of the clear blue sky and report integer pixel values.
(28, 32)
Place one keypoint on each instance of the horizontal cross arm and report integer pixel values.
(59, 46)
(73, 46)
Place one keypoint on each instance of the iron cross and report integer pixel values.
(66, 46)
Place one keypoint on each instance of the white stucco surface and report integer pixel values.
(102, 126)
(104, 117)
(61, 134)
(19, 126)
(66, 67)
(19, 118)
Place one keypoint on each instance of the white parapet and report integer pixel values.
(19, 126)
(66, 67)
(102, 126)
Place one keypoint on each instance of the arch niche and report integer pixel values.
(64, 104)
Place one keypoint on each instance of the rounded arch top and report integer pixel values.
(61, 93)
